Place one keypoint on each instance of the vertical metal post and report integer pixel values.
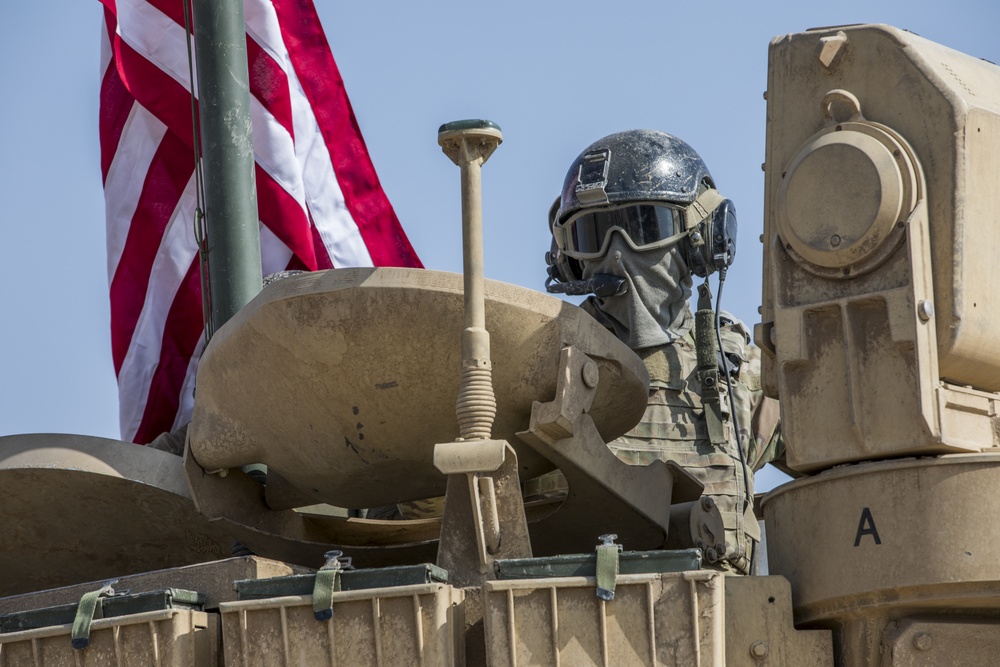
(227, 147)
(484, 514)
(469, 143)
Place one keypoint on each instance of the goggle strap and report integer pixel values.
(670, 240)
(702, 207)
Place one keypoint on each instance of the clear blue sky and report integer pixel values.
(554, 75)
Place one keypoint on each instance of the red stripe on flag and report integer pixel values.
(116, 104)
(284, 216)
(323, 261)
(174, 9)
(324, 88)
(181, 333)
(168, 174)
(157, 91)
(269, 84)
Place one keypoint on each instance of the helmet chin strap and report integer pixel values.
(600, 284)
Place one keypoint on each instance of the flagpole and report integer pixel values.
(227, 148)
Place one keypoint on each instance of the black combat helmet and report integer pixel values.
(651, 187)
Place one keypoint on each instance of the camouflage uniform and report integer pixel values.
(673, 429)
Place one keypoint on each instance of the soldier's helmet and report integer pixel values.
(638, 183)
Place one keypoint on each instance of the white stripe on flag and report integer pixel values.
(173, 259)
(139, 140)
(322, 193)
(325, 199)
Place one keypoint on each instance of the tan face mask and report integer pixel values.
(654, 310)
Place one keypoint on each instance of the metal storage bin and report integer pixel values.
(149, 629)
(654, 619)
(419, 624)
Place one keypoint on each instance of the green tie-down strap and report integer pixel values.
(327, 582)
(85, 614)
(607, 567)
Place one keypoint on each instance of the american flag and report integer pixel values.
(320, 202)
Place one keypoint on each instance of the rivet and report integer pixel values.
(590, 374)
(922, 641)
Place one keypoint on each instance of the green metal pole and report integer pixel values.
(227, 147)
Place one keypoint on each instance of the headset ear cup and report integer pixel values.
(560, 267)
(718, 232)
(724, 228)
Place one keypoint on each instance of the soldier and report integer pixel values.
(638, 216)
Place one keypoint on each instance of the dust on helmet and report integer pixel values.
(650, 187)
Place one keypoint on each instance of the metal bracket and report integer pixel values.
(484, 516)
(605, 494)
(576, 384)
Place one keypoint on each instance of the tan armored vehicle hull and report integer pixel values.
(881, 224)
(880, 307)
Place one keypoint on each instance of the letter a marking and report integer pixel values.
(866, 526)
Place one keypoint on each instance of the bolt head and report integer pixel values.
(758, 649)
(590, 374)
(922, 641)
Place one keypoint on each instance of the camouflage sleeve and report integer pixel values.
(766, 445)
(758, 416)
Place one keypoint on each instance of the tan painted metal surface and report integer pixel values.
(882, 220)
(760, 630)
(343, 381)
(882, 217)
(166, 638)
(946, 641)
(880, 307)
(79, 508)
(406, 625)
(917, 533)
(669, 619)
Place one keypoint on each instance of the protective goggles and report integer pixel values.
(587, 234)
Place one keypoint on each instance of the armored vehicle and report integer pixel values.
(360, 388)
